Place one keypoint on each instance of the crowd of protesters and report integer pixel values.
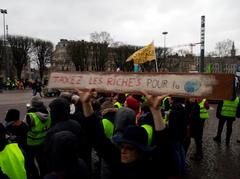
(21, 84)
(16, 84)
(134, 136)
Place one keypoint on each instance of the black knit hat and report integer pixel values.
(12, 115)
(59, 109)
(136, 136)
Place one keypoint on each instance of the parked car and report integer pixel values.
(51, 92)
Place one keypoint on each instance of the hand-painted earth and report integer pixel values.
(192, 86)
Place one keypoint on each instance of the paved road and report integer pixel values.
(220, 162)
(16, 99)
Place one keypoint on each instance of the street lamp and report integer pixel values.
(4, 11)
(164, 45)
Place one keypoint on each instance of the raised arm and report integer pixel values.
(85, 98)
(154, 103)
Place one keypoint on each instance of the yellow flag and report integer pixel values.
(143, 55)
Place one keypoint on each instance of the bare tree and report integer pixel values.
(117, 44)
(102, 37)
(98, 55)
(223, 48)
(122, 53)
(211, 54)
(43, 52)
(78, 52)
(100, 48)
(183, 52)
(20, 47)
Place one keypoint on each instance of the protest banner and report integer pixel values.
(211, 86)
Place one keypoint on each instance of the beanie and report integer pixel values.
(12, 115)
(132, 103)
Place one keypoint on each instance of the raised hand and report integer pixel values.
(153, 101)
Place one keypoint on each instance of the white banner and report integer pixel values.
(155, 83)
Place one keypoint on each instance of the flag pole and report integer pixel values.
(155, 60)
(156, 65)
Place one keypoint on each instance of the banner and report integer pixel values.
(178, 84)
(143, 55)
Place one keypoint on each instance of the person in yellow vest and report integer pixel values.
(108, 112)
(166, 105)
(227, 111)
(12, 161)
(119, 100)
(146, 121)
(38, 121)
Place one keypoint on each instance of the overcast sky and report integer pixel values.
(135, 22)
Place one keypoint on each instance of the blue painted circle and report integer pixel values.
(192, 86)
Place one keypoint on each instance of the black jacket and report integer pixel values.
(60, 114)
(64, 160)
(142, 169)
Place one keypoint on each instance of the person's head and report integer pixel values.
(36, 102)
(133, 144)
(59, 109)
(145, 107)
(64, 147)
(133, 103)
(12, 115)
(123, 118)
(66, 95)
(107, 106)
(121, 97)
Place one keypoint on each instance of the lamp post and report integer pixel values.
(4, 11)
(164, 45)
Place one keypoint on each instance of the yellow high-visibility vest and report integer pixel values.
(37, 134)
(12, 162)
(229, 108)
(203, 110)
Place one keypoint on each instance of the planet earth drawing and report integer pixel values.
(192, 86)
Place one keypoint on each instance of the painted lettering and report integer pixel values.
(78, 79)
(139, 80)
(124, 82)
(109, 81)
(154, 83)
(95, 80)
(55, 79)
(131, 82)
(72, 80)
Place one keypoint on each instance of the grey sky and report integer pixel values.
(136, 22)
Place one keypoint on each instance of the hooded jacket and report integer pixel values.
(64, 158)
(38, 123)
(60, 115)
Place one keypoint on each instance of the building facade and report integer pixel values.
(61, 60)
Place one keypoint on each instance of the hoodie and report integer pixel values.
(64, 159)
(61, 121)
